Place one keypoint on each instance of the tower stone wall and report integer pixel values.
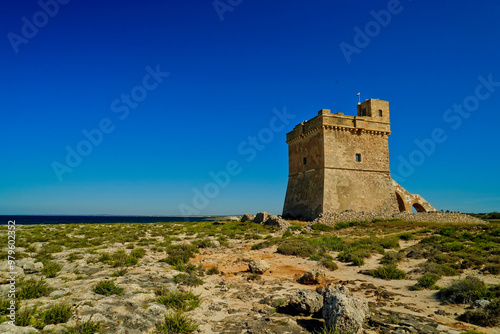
(339, 162)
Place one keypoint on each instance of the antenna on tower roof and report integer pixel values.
(359, 98)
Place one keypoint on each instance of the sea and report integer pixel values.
(37, 220)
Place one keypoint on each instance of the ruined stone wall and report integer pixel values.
(304, 195)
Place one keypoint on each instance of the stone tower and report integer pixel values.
(339, 162)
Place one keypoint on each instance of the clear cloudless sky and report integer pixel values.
(225, 79)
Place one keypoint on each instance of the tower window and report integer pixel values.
(380, 113)
(305, 161)
(358, 157)
(363, 112)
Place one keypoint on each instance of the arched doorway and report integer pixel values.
(401, 203)
(419, 207)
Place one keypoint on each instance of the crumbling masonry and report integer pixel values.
(339, 162)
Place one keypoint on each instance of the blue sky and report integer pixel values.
(187, 103)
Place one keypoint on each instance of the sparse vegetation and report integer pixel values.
(176, 322)
(33, 288)
(485, 316)
(464, 291)
(107, 288)
(178, 300)
(56, 314)
(389, 271)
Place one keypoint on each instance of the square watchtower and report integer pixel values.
(339, 162)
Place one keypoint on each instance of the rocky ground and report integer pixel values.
(257, 289)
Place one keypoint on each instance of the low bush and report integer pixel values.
(51, 269)
(265, 244)
(321, 227)
(56, 314)
(32, 288)
(406, 236)
(178, 300)
(188, 279)
(389, 271)
(180, 254)
(439, 269)
(119, 272)
(213, 271)
(391, 258)
(329, 264)
(26, 316)
(138, 252)
(485, 316)
(88, 327)
(427, 281)
(176, 322)
(297, 247)
(464, 291)
(493, 269)
(341, 225)
(107, 288)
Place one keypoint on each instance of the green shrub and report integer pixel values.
(391, 258)
(32, 288)
(74, 256)
(389, 271)
(130, 261)
(265, 244)
(119, 272)
(180, 254)
(25, 316)
(187, 279)
(355, 256)
(341, 225)
(104, 258)
(446, 231)
(321, 227)
(493, 269)
(88, 327)
(287, 234)
(107, 288)
(464, 291)
(329, 264)
(176, 322)
(138, 252)
(4, 303)
(56, 314)
(427, 281)
(406, 236)
(484, 316)
(203, 243)
(178, 300)
(297, 247)
(295, 228)
(389, 242)
(439, 269)
(213, 271)
(51, 269)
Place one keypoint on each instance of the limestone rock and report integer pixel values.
(6, 328)
(258, 266)
(313, 276)
(306, 301)
(480, 303)
(5, 272)
(30, 266)
(261, 217)
(247, 217)
(277, 221)
(343, 311)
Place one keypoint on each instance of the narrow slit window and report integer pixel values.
(363, 112)
(380, 113)
(305, 161)
(358, 157)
